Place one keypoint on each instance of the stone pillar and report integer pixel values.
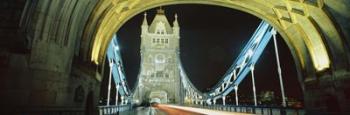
(330, 94)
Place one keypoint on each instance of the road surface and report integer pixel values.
(177, 110)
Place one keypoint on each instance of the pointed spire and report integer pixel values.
(145, 23)
(144, 26)
(176, 28)
(175, 21)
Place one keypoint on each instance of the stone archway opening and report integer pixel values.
(65, 36)
(227, 44)
(313, 39)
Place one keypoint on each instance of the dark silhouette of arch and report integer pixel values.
(89, 104)
(332, 104)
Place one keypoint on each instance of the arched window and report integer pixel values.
(159, 74)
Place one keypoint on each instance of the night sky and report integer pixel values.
(211, 38)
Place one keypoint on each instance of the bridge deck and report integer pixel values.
(200, 111)
(177, 110)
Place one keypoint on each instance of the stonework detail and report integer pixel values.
(159, 78)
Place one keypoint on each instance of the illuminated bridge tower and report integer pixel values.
(159, 77)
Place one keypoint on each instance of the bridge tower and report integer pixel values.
(159, 77)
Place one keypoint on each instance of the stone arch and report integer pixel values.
(316, 44)
(311, 35)
(310, 32)
(308, 29)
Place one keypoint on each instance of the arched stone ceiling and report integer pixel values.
(309, 27)
(304, 24)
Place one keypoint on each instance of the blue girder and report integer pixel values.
(113, 55)
(246, 59)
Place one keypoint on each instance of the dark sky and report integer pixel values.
(211, 39)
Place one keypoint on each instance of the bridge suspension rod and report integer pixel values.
(109, 82)
(253, 82)
(284, 104)
(236, 86)
(116, 70)
(117, 94)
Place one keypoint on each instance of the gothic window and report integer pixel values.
(166, 40)
(159, 74)
(158, 40)
(154, 40)
(162, 40)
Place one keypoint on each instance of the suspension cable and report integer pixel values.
(279, 68)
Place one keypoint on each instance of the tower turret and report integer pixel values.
(144, 26)
(176, 28)
(144, 32)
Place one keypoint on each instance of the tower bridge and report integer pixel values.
(159, 76)
(53, 54)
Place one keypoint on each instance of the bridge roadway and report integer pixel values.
(177, 110)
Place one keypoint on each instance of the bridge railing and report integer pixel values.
(260, 110)
(113, 109)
